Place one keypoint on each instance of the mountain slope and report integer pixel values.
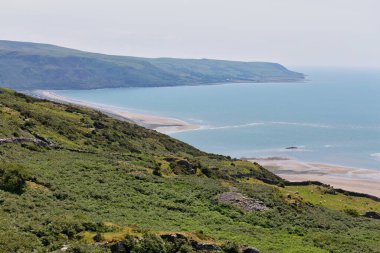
(76, 179)
(25, 65)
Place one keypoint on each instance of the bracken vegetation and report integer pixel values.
(75, 180)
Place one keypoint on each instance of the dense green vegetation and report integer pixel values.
(85, 181)
(40, 66)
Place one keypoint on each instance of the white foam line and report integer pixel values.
(235, 126)
(300, 124)
(262, 123)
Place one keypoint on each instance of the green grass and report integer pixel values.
(319, 195)
(100, 172)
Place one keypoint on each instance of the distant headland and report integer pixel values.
(26, 65)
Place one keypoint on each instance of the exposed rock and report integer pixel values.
(241, 201)
(64, 248)
(175, 240)
(205, 247)
(119, 247)
(372, 215)
(185, 164)
(37, 141)
(182, 166)
(250, 250)
(44, 140)
(173, 237)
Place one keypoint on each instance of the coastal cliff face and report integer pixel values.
(75, 180)
(39, 66)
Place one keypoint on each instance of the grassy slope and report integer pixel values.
(40, 66)
(101, 172)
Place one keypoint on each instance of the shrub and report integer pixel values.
(150, 244)
(352, 212)
(13, 178)
(186, 249)
(129, 242)
(85, 248)
(157, 172)
(231, 247)
(96, 227)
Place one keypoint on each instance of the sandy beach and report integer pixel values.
(161, 124)
(348, 178)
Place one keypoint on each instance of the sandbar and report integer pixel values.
(348, 178)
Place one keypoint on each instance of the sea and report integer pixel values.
(332, 117)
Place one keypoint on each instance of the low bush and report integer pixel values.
(231, 247)
(352, 212)
(150, 244)
(13, 178)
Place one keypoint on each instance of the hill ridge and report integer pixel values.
(26, 65)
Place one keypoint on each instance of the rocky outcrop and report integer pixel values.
(40, 141)
(173, 237)
(245, 203)
(372, 215)
(119, 247)
(250, 250)
(208, 247)
(180, 166)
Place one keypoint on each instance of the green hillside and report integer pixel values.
(26, 65)
(74, 179)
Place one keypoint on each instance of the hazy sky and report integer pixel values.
(292, 32)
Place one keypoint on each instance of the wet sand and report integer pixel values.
(160, 124)
(347, 178)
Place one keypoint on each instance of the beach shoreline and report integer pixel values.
(344, 177)
(163, 125)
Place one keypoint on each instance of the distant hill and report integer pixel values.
(25, 65)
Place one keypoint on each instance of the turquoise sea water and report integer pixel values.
(333, 117)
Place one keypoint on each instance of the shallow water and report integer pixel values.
(334, 117)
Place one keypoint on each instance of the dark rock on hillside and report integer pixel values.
(175, 240)
(208, 247)
(372, 215)
(173, 237)
(183, 166)
(36, 141)
(119, 247)
(250, 250)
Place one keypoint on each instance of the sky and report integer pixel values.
(325, 33)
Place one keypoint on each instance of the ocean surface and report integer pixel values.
(333, 117)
